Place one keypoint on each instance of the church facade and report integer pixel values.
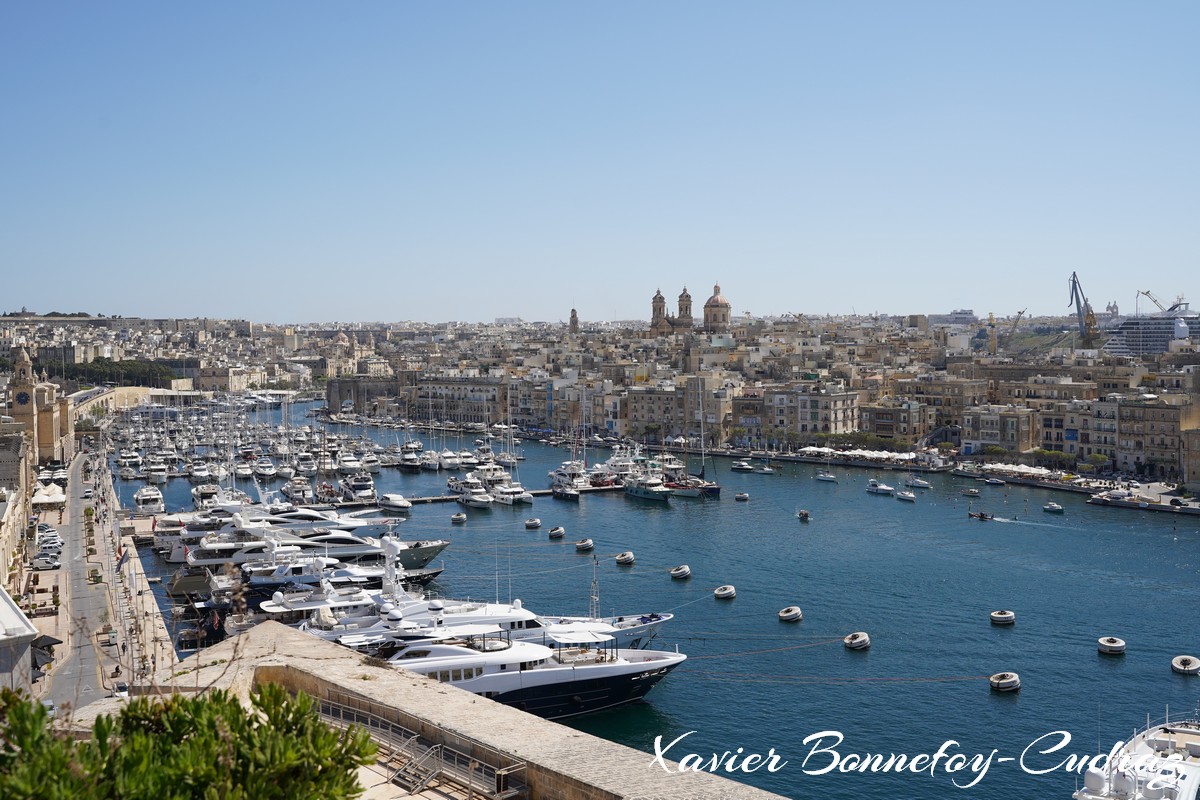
(717, 314)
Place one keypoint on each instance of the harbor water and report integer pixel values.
(920, 578)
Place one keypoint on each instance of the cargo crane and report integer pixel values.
(1088, 329)
(1013, 327)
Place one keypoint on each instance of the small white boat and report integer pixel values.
(681, 572)
(972, 492)
(742, 496)
(859, 640)
(557, 531)
(585, 545)
(458, 518)
(791, 614)
(1052, 508)
(1003, 617)
(994, 482)
(914, 482)
(726, 592)
(741, 465)
(827, 476)
(625, 559)
(803, 515)
(533, 523)
(875, 487)
(1005, 681)
(395, 502)
(906, 496)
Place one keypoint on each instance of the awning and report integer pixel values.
(44, 641)
(576, 635)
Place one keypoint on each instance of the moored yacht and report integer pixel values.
(875, 487)
(1161, 760)
(582, 672)
(148, 500)
(647, 486)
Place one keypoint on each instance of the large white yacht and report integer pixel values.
(1160, 761)
(582, 672)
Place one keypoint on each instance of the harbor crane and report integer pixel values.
(1008, 332)
(1088, 329)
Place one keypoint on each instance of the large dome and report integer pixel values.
(717, 298)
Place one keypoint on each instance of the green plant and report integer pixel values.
(205, 746)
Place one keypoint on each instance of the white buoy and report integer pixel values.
(1003, 617)
(791, 614)
(1005, 681)
(1186, 665)
(859, 640)
(1111, 645)
(726, 592)
(625, 559)
(681, 572)
(584, 545)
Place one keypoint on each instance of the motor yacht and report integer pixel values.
(581, 671)
(876, 487)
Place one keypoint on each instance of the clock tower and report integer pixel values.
(22, 400)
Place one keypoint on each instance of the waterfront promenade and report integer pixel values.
(108, 622)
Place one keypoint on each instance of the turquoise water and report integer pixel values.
(919, 578)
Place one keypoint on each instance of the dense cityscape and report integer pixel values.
(1082, 403)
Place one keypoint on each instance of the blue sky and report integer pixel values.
(307, 161)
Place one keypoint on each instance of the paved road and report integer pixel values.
(85, 671)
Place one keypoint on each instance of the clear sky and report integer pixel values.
(382, 161)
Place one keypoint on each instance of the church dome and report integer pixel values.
(717, 298)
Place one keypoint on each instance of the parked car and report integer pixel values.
(51, 708)
(121, 689)
(87, 494)
(46, 562)
(51, 548)
(44, 528)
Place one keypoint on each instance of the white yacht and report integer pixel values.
(148, 500)
(199, 472)
(875, 487)
(205, 495)
(395, 623)
(348, 463)
(371, 462)
(155, 470)
(396, 503)
(510, 494)
(913, 482)
(582, 672)
(647, 486)
(264, 468)
(1160, 761)
(358, 488)
(448, 459)
(306, 465)
(299, 490)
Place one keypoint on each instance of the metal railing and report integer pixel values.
(483, 770)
